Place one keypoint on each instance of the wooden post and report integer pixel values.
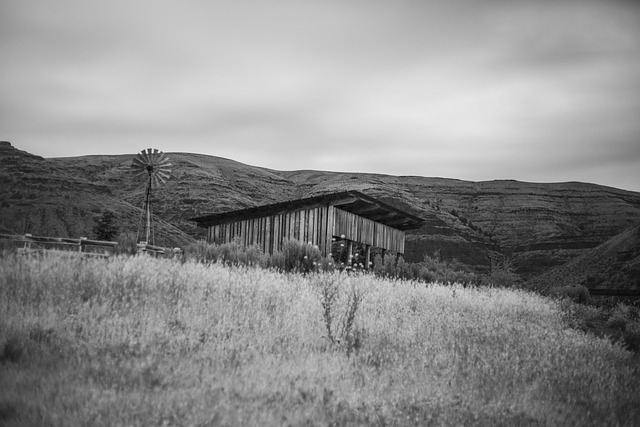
(349, 253)
(27, 241)
(367, 257)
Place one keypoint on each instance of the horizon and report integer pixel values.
(477, 91)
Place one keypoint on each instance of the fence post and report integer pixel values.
(81, 243)
(27, 242)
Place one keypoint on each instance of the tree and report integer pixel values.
(106, 227)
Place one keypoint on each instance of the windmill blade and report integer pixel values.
(164, 163)
(163, 175)
(166, 169)
(146, 155)
(152, 164)
(139, 162)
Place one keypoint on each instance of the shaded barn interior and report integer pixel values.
(350, 216)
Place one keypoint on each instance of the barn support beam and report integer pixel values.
(367, 257)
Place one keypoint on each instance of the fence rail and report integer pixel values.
(42, 243)
(615, 292)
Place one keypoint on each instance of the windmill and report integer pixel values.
(153, 166)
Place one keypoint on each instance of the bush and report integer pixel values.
(435, 269)
(295, 256)
(299, 257)
(579, 294)
(503, 274)
(431, 269)
(127, 244)
(232, 253)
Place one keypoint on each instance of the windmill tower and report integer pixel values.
(153, 166)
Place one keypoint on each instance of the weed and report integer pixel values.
(340, 316)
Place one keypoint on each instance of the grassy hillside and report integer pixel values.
(142, 341)
(537, 225)
(50, 197)
(615, 264)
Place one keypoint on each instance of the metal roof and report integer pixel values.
(351, 201)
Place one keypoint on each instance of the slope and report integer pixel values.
(47, 197)
(615, 264)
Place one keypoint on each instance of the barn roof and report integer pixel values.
(351, 201)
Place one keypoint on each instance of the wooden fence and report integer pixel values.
(633, 293)
(88, 247)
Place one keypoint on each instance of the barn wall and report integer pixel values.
(315, 225)
(270, 232)
(363, 230)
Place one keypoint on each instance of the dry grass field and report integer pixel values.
(143, 341)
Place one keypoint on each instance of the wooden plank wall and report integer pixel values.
(315, 225)
(270, 232)
(363, 230)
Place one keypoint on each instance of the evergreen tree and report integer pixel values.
(106, 227)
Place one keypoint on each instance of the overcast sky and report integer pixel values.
(531, 90)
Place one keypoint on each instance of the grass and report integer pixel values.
(143, 341)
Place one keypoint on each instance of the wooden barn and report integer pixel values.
(349, 216)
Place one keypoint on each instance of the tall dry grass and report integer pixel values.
(143, 341)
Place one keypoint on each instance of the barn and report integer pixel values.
(348, 216)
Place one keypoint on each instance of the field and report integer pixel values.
(144, 341)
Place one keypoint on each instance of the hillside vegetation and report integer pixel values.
(537, 225)
(143, 341)
(613, 264)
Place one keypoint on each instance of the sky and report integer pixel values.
(532, 90)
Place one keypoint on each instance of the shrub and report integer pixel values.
(389, 266)
(200, 251)
(295, 256)
(300, 257)
(404, 270)
(232, 253)
(503, 274)
(127, 244)
(431, 269)
(106, 227)
(578, 294)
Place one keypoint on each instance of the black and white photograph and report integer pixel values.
(320, 213)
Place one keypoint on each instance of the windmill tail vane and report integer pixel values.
(154, 167)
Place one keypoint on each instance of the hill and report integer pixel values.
(615, 264)
(537, 225)
(47, 197)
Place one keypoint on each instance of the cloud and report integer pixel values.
(460, 89)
